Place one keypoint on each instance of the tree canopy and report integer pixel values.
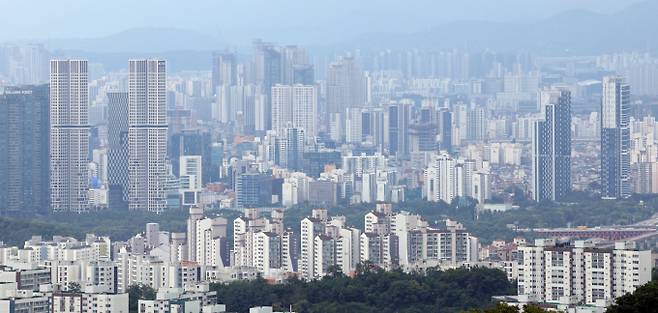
(373, 290)
(644, 299)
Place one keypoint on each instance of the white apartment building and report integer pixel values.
(97, 274)
(295, 189)
(447, 178)
(579, 273)
(244, 229)
(380, 249)
(190, 175)
(440, 180)
(289, 252)
(211, 242)
(347, 249)
(310, 228)
(153, 272)
(295, 106)
(324, 255)
(90, 303)
(266, 252)
(69, 136)
(193, 298)
(147, 135)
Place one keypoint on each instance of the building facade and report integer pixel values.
(24, 157)
(615, 139)
(147, 135)
(551, 147)
(69, 136)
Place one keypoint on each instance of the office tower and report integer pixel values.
(398, 128)
(193, 142)
(615, 138)
(69, 136)
(268, 72)
(551, 147)
(295, 106)
(117, 136)
(224, 71)
(253, 190)
(422, 137)
(147, 135)
(24, 154)
(345, 85)
(289, 151)
(445, 126)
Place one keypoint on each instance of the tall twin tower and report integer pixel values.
(146, 133)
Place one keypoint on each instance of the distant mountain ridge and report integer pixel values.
(576, 32)
(571, 32)
(141, 40)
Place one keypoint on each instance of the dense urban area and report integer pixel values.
(280, 177)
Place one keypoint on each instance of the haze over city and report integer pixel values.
(328, 156)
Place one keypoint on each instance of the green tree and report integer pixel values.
(644, 299)
(139, 292)
(373, 290)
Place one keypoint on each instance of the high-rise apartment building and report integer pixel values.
(147, 135)
(345, 85)
(615, 138)
(24, 154)
(476, 124)
(295, 106)
(289, 150)
(117, 135)
(69, 136)
(224, 70)
(570, 274)
(268, 72)
(440, 180)
(551, 147)
(310, 228)
(295, 68)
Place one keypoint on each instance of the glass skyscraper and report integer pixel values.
(24, 155)
(551, 147)
(615, 139)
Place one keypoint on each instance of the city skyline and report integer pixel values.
(295, 156)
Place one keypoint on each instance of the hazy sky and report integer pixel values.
(288, 20)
